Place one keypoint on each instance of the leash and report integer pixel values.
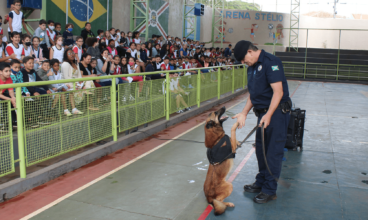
(280, 181)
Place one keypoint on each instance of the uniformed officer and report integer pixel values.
(269, 97)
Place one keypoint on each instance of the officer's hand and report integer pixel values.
(240, 119)
(266, 120)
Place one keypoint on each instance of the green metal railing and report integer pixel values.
(44, 131)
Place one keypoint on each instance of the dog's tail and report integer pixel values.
(219, 206)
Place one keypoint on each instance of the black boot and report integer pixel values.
(253, 188)
(263, 198)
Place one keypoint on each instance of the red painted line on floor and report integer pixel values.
(241, 165)
(209, 208)
(36, 198)
(206, 212)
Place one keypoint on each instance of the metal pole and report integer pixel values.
(21, 146)
(338, 57)
(244, 76)
(213, 23)
(108, 5)
(113, 109)
(222, 23)
(199, 88)
(43, 10)
(67, 10)
(131, 15)
(167, 96)
(185, 11)
(233, 82)
(305, 58)
(147, 18)
(87, 10)
(218, 83)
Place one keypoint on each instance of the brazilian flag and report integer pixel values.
(78, 10)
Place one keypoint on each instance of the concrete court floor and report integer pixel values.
(329, 178)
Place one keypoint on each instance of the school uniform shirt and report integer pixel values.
(137, 41)
(133, 52)
(78, 51)
(19, 51)
(17, 21)
(37, 53)
(7, 81)
(58, 54)
(28, 51)
(51, 35)
(113, 52)
(44, 39)
(187, 66)
(68, 38)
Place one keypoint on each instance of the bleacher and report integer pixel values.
(325, 64)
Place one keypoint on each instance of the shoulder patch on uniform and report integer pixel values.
(275, 68)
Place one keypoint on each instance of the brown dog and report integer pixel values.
(216, 188)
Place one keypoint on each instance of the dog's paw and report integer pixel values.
(230, 204)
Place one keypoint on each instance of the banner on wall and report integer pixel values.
(77, 12)
(158, 18)
(261, 28)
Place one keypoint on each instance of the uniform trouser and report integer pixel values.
(275, 138)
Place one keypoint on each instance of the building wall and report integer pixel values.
(121, 14)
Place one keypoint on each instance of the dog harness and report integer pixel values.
(219, 154)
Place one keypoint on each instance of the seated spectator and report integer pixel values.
(68, 35)
(157, 49)
(30, 75)
(129, 38)
(26, 42)
(7, 94)
(144, 53)
(121, 49)
(44, 38)
(183, 51)
(136, 37)
(15, 47)
(107, 37)
(117, 70)
(92, 44)
(86, 33)
(77, 48)
(57, 51)
(3, 57)
(36, 52)
(104, 67)
(133, 68)
(153, 51)
(177, 92)
(111, 48)
(43, 73)
(172, 64)
(165, 51)
(100, 34)
(70, 70)
(131, 52)
(58, 29)
(17, 76)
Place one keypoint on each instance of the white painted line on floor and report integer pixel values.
(112, 171)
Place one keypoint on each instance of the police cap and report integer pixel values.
(241, 49)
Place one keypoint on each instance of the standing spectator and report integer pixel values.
(16, 19)
(68, 35)
(92, 44)
(77, 48)
(86, 33)
(227, 52)
(57, 51)
(50, 32)
(15, 47)
(44, 39)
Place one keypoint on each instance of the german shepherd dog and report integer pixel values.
(216, 188)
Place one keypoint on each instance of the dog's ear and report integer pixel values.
(209, 124)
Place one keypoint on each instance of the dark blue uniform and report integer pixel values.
(266, 71)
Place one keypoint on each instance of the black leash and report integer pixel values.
(280, 181)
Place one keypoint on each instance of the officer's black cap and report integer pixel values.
(241, 49)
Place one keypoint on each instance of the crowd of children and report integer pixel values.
(49, 54)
